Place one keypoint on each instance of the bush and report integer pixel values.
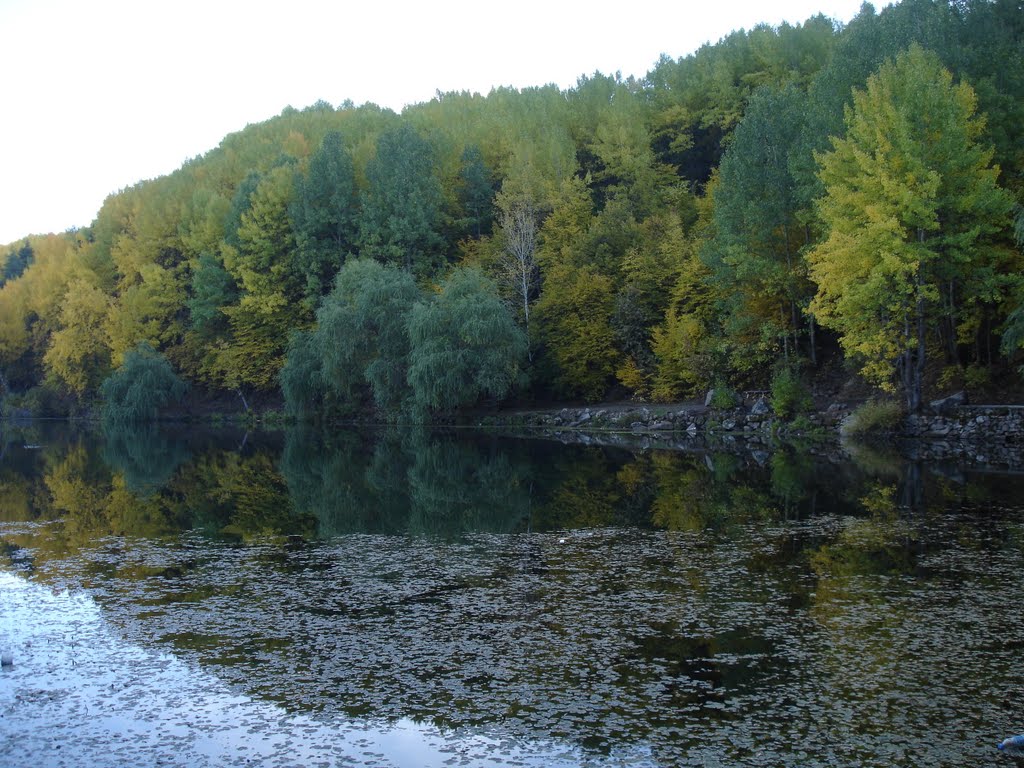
(789, 395)
(143, 385)
(874, 417)
(39, 402)
(723, 397)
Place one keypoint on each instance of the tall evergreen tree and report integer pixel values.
(325, 215)
(755, 253)
(401, 215)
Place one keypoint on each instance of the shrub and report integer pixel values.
(723, 397)
(143, 385)
(789, 395)
(874, 417)
(40, 402)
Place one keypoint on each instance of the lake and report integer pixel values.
(409, 598)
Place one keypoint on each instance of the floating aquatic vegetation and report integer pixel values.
(755, 632)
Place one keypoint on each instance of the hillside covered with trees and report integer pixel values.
(778, 199)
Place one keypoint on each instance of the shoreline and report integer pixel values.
(990, 436)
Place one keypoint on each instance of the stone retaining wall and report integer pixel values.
(990, 438)
(692, 420)
(981, 423)
(989, 423)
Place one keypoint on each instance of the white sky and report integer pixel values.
(99, 94)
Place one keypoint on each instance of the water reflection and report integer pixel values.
(649, 608)
(405, 482)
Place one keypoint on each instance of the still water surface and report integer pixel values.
(413, 599)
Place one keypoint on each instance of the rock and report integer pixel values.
(708, 398)
(659, 425)
(950, 403)
(729, 424)
(691, 429)
(7, 660)
(760, 407)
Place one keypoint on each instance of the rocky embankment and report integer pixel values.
(688, 426)
(990, 435)
(984, 434)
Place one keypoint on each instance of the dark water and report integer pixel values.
(414, 599)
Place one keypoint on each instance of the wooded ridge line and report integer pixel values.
(787, 206)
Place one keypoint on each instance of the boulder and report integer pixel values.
(950, 403)
(760, 407)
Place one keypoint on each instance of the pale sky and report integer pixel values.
(100, 94)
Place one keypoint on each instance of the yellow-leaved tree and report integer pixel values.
(79, 353)
(915, 222)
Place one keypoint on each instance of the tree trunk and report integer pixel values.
(913, 357)
(814, 349)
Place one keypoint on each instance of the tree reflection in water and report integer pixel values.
(541, 591)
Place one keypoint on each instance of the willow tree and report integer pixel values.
(913, 213)
(464, 345)
(360, 345)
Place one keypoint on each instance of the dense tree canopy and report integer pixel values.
(649, 235)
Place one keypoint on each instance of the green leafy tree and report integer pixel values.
(143, 385)
(575, 313)
(17, 261)
(755, 254)
(263, 263)
(325, 215)
(913, 213)
(146, 311)
(402, 207)
(212, 289)
(360, 345)
(270, 305)
(302, 384)
(654, 263)
(476, 194)
(465, 345)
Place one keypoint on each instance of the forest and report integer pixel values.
(784, 202)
